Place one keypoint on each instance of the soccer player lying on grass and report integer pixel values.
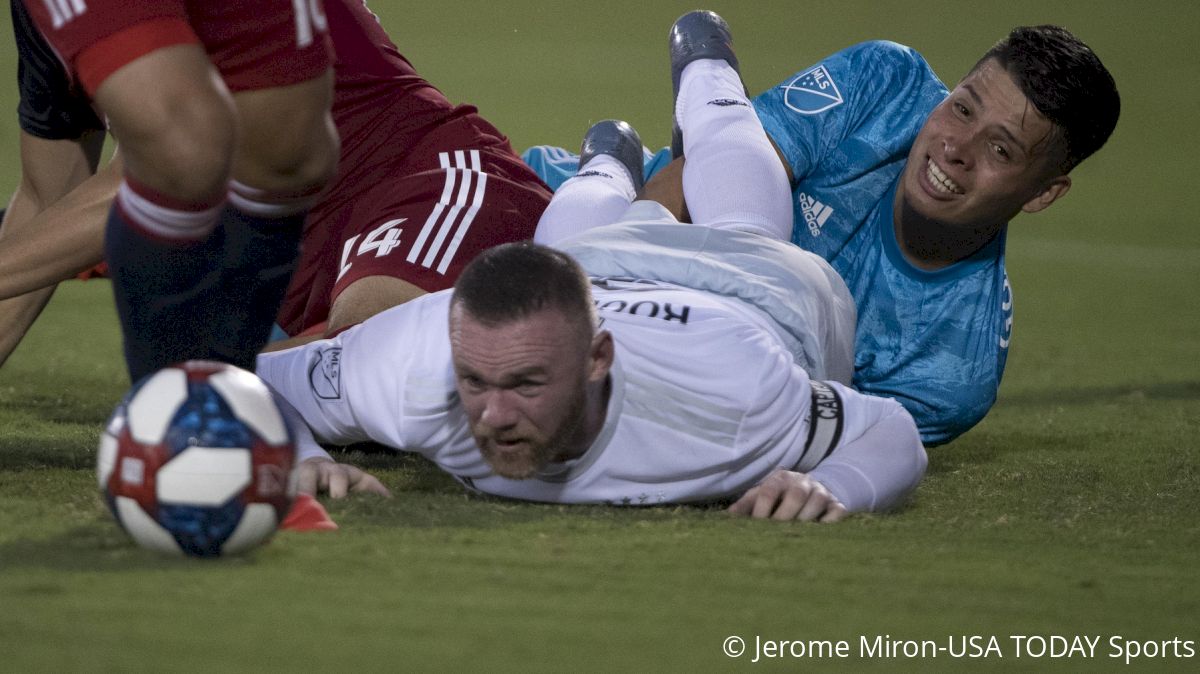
(422, 186)
(689, 370)
(907, 189)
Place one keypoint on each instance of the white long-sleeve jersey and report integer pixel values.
(706, 401)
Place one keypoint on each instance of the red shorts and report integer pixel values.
(421, 220)
(255, 45)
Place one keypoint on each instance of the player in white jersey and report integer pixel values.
(558, 388)
(674, 396)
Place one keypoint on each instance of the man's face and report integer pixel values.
(984, 155)
(522, 385)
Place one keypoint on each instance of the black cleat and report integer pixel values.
(700, 34)
(618, 140)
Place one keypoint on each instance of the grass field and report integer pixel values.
(1072, 510)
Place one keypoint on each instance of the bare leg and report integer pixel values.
(666, 187)
(288, 151)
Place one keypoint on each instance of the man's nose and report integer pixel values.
(499, 410)
(956, 150)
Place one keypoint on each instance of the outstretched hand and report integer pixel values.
(322, 475)
(788, 495)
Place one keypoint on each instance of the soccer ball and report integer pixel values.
(198, 459)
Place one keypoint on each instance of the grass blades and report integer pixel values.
(1071, 510)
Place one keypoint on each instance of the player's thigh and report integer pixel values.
(142, 63)
(666, 187)
(288, 140)
(174, 119)
(173, 87)
(95, 39)
(275, 55)
(366, 297)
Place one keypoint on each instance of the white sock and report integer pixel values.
(596, 196)
(732, 177)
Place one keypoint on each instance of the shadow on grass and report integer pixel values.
(61, 409)
(20, 452)
(99, 546)
(96, 547)
(956, 456)
(1041, 398)
(424, 497)
(985, 444)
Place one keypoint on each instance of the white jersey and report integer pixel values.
(706, 401)
(808, 303)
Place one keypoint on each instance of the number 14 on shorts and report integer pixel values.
(382, 240)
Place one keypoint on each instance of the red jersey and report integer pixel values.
(422, 184)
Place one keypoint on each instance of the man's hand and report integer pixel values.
(319, 474)
(788, 495)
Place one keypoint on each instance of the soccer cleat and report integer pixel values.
(619, 141)
(307, 514)
(700, 34)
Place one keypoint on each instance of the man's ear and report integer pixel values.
(1051, 193)
(600, 358)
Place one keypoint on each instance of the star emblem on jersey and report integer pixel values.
(812, 92)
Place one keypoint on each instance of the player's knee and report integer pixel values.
(175, 121)
(199, 160)
(187, 153)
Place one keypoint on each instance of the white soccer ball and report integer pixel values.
(198, 459)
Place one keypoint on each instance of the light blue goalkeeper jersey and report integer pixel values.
(935, 341)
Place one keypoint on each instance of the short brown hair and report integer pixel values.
(515, 280)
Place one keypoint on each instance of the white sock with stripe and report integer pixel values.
(732, 176)
(160, 216)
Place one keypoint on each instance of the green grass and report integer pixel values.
(1071, 510)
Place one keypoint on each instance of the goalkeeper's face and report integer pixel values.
(523, 385)
(984, 155)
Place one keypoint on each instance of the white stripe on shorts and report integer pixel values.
(464, 188)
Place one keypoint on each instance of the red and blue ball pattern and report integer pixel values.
(198, 458)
